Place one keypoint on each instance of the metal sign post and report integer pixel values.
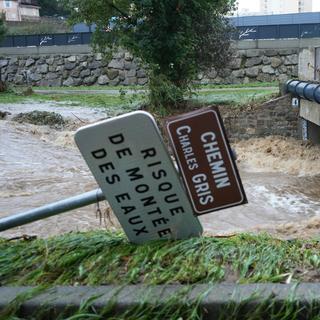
(131, 164)
(52, 209)
(205, 160)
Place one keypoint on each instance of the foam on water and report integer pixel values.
(40, 165)
(294, 203)
(279, 154)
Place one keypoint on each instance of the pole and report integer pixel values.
(52, 209)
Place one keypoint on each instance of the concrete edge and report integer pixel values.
(240, 45)
(27, 51)
(212, 298)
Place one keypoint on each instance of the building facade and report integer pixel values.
(20, 10)
(285, 6)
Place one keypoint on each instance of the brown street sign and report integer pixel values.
(205, 160)
(131, 164)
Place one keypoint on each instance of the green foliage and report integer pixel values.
(100, 257)
(174, 38)
(131, 98)
(113, 104)
(52, 7)
(236, 97)
(3, 28)
(177, 306)
(162, 89)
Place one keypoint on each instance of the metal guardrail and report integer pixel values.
(41, 40)
(282, 31)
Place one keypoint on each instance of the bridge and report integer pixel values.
(281, 26)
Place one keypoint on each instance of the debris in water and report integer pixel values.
(51, 119)
(24, 237)
(4, 114)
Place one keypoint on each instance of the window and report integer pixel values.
(7, 4)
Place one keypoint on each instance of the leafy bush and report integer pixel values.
(3, 29)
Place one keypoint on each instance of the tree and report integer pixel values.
(52, 7)
(175, 38)
(3, 28)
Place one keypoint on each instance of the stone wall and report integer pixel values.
(276, 117)
(257, 65)
(72, 70)
(246, 66)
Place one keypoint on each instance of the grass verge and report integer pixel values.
(240, 85)
(235, 97)
(137, 87)
(176, 307)
(115, 104)
(93, 88)
(101, 258)
(130, 101)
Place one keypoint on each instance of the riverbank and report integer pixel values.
(128, 98)
(106, 258)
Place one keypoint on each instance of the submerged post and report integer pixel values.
(52, 209)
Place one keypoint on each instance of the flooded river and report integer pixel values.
(40, 165)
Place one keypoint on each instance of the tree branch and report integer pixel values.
(117, 9)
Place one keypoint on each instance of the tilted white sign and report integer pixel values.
(130, 162)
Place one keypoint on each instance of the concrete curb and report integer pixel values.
(214, 299)
(240, 45)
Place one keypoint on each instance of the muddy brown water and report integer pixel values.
(40, 165)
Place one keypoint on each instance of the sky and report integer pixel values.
(253, 5)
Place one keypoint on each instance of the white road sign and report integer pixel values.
(130, 162)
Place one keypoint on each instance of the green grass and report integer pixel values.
(9, 97)
(128, 101)
(103, 258)
(235, 97)
(176, 307)
(93, 88)
(115, 104)
(107, 258)
(92, 100)
(253, 85)
(240, 85)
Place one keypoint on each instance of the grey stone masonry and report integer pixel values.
(256, 65)
(250, 65)
(72, 70)
(275, 117)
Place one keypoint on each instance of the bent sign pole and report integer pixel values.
(131, 164)
(52, 209)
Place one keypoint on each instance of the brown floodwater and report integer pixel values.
(40, 165)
